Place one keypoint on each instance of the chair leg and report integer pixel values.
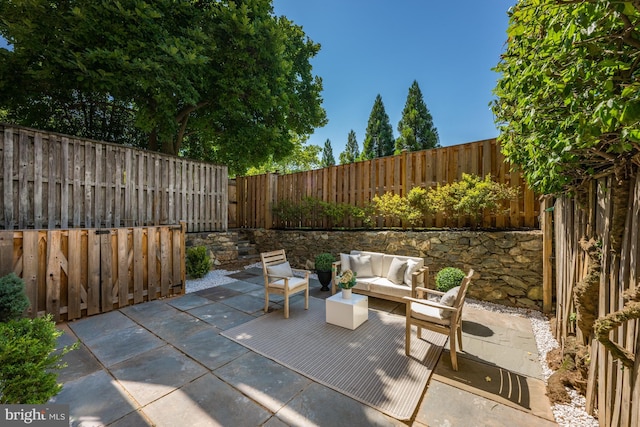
(266, 301)
(306, 298)
(407, 341)
(459, 328)
(452, 350)
(286, 307)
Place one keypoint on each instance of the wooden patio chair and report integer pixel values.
(443, 316)
(279, 279)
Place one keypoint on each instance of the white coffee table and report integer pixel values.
(348, 313)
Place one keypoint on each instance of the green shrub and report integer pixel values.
(410, 209)
(198, 262)
(28, 361)
(323, 261)
(449, 278)
(13, 300)
(471, 196)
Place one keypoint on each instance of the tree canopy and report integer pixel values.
(216, 80)
(327, 155)
(351, 151)
(416, 128)
(568, 102)
(302, 157)
(378, 138)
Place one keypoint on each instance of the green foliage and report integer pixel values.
(568, 104)
(378, 138)
(222, 81)
(314, 211)
(410, 209)
(351, 151)
(416, 128)
(198, 262)
(323, 261)
(302, 157)
(13, 300)
(327, 155)
(28, 361)
(449, 278)
(471, 196)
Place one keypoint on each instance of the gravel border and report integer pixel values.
(571, 415)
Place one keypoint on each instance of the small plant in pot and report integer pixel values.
(323, 263)
(449, 278)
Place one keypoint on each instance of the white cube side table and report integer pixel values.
(348, 313)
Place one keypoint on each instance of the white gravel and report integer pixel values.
(572, 415)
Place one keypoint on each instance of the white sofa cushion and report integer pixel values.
(361, 265)
(376, 262)
(345, 264)
(396, 271)
(412, 266)
(387, 287)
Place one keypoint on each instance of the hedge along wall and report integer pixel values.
(508, 264)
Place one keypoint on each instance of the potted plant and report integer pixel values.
(323, 264)
(347, 281)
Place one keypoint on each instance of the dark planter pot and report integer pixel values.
(325, 279)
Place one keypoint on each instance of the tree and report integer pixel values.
(221, 81)
(302, 158)
(351, 152)
(327, 155)
(416, 128)
(568, 102)
(568, 109)
(378, 138)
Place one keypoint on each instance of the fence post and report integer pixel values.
(270, 199)
(547, 252)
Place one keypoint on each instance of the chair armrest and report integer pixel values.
(419, 278)
(430, 303)
(300, 270)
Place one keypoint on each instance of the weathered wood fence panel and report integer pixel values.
(612, 389)
(357, 183)
(75, 273)
(57, 181)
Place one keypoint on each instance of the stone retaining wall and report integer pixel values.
(508, 264)
(221, 246)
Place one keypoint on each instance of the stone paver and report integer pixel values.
(165, 363)
(461, 408)
(207, 401)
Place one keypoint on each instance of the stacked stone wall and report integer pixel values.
(508, 264)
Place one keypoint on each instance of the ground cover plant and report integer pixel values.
(28, 360)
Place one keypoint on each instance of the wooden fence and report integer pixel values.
(611, 389)
(357, 183)
(52, 181)
(75, 273)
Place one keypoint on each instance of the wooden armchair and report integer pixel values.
(443, 316)
(279, 279)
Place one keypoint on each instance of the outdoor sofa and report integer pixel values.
(380, 275)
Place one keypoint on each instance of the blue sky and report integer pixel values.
(372, 47)
(376, 46)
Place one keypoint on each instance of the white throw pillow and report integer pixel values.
(396, 271)
(448, 299)
(361, 265)
(280, 270)
(412, 266)
(344, 262)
